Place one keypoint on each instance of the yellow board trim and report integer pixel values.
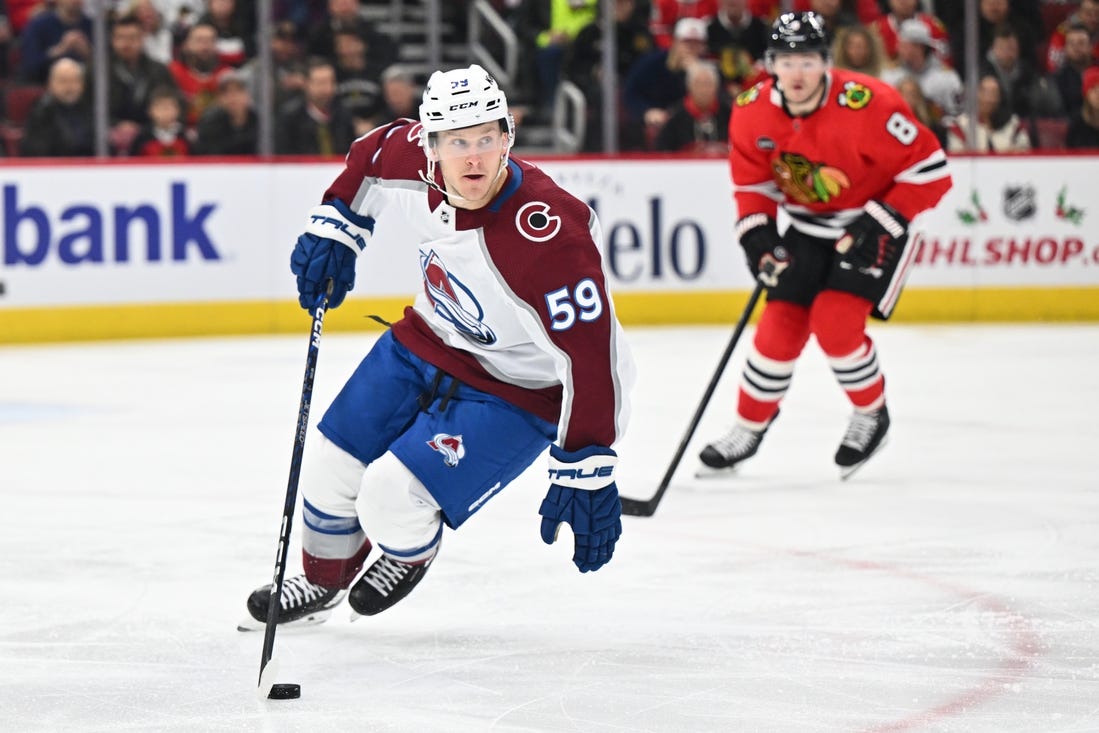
(157, 320)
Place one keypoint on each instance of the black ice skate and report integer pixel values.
(301, 603)
(739, 444)
(384, 583)
(865, 436)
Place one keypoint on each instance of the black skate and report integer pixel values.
(301, 603)
(865, 436)
(739, 444)
(384, 583)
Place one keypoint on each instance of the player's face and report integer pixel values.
(470, 161)
(799, 76)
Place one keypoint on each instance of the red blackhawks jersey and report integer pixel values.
(816, 172)
(513, 298)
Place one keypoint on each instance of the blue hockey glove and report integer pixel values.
(334, 236)
(316, 261)
(875, 237)
(583, 494)
(767, 258)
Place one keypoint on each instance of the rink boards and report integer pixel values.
(125, 249)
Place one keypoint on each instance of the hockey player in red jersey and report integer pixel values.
(829, 168)
(510, 347)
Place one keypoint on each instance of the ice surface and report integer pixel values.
(951, 585)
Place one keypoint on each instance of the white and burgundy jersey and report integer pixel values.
(862, 143)
(513, 299)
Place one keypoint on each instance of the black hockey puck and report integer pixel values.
(284, 692)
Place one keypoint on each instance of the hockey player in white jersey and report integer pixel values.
(511, 346)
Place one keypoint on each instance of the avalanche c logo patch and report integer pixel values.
(535, 223)
(450, 446)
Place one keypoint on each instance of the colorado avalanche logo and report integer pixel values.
(453, 301)
(535, 223)
(450, 446)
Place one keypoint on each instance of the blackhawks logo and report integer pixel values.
(806, 182)
(854, 95)
(748, 96)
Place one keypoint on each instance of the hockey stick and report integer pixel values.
(291, 501)
(646, 508)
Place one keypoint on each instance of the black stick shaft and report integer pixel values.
(292, 484)
(646, 508)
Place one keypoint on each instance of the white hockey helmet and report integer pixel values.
(463, 98)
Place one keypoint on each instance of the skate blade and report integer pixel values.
(708, 472)
(319, 617)
(849, 471)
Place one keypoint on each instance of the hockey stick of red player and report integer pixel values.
(265, 683)
(646, 508)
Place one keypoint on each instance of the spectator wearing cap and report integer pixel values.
(1069, 76)
(737, 40)
(1083, 127)
(916, 57)
(230, 125)
(888, 28)
(357, 76)
(666, 13)
(659, 78)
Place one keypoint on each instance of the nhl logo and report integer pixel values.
(1019, 202)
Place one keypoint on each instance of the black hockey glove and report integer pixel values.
(767, 258)
(875, 237)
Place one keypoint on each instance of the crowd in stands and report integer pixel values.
(184, 75)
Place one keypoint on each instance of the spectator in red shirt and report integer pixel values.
(1087, 15)
(235, 41)
(888, 26)
(196, 70)
(165, 136)
(666, 13)
(1083, 127)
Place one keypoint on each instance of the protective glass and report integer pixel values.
(450, 145)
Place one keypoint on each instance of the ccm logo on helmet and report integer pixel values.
(464, 105)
